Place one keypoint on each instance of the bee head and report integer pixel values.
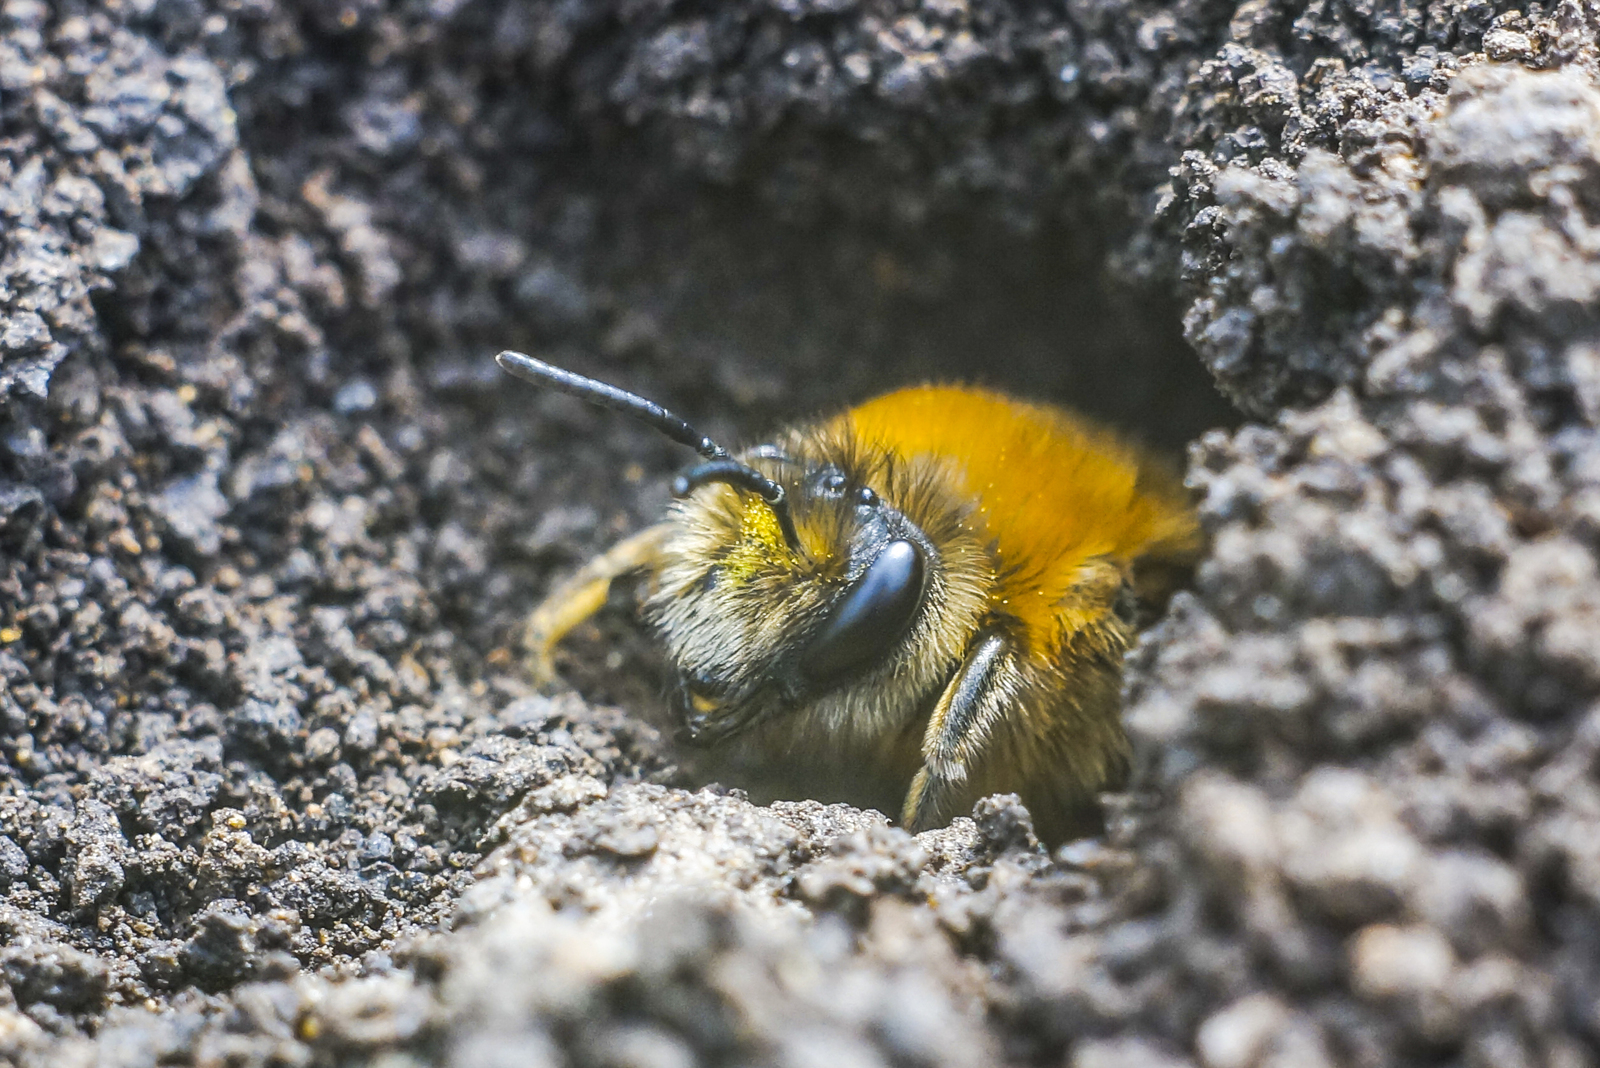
(846, 615)
(790, 578)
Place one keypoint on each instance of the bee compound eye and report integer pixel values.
(870, 617)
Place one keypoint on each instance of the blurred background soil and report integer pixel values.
(273, 790)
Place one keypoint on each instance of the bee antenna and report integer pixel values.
(741, 476)
(605, 395)
(720, 465)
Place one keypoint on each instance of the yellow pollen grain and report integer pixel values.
(760, 541)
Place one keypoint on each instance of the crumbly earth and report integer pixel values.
(273, 790)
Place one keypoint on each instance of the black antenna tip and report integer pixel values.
(526, 367)
(605, 395)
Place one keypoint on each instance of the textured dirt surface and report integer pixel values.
(272, 789)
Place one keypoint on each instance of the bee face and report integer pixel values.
(843, 631)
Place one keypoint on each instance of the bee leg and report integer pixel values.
(582, 595)
(962, 721)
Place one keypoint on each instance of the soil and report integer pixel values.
(273, 787)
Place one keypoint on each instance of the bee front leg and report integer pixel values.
(962, 723)
(583, 594)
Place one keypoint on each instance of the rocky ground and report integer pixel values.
(273, 790)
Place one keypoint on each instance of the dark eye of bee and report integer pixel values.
(833, 483)
(870, 617)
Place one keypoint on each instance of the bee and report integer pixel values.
(928, 595)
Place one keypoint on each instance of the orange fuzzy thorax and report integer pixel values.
(1055, 493)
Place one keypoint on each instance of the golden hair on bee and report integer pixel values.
(927, 596)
